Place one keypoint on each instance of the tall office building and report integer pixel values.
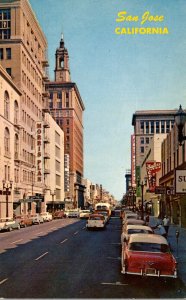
(66, 106)
(146, 123)
(23, 49)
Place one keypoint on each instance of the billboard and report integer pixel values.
(152, 168)
(180, 181)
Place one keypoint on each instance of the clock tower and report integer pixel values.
(62, 72)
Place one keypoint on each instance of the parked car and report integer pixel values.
(134, 222)
(36, 219)
(74, 213)
(47, 217)
(24, 220)
(9, 224)
(59, 214)
(84, 214)
(96, 221)
(131, 229)
(130, 216)
(148, 255)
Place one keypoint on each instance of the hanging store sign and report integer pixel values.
(133, 161)
(39, 152)
(152, 168)
(180, 181)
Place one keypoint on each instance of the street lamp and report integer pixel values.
(180, 119)
(7, 186)
(142, 189)
(53, 194)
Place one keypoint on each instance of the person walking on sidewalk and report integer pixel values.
(166, 223)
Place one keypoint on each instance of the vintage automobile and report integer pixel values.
(104, 213)
(84, 214)
(130, 216)
(96, 221)
(47, 217)
(59, 214)
(24, 220)
(9, 224)
(133, 222)
(131, 229)
(73, 213)
(148, 255)
(36, 219)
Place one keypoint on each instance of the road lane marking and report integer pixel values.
(16, 241)
(41, 256)
(63, 241)
(76, 232)
(117, 258)
(83, 227)
(2, 281)
(113, 283)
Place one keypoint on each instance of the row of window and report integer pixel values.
(5, 24)
(30, 86)
(31, 69)
(151, 127)
(5, 53)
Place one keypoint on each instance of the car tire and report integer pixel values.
(10, 229)
(18, 227)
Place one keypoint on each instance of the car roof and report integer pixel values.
(135, 221)
(139, 227)
(96, 215)
(147, 238)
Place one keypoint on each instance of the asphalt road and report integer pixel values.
(61, 259)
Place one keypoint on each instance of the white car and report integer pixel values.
(47, 217)
(72, 213)
(36, 219)
(84, 214)
(96, 221)
(131, 229)
(9, 224)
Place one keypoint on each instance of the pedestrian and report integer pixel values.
(162, 230)
(166, 223)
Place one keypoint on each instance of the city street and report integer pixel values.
(61, 259)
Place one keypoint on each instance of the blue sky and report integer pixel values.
(116, 74)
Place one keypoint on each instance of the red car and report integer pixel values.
(148, 255)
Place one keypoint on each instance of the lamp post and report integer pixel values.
(53, 194)
(180, 119)
(142, 189)
(7, 186)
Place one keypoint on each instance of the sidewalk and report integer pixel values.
(178, 246)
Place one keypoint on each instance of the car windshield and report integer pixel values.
(131, 231)
(149, 247)
(96, 218)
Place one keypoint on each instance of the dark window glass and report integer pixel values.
(8, 53)
(147, 127)
(5, 24)
(1, 53)
(162, 126)
(147, 140)
(152, 126)
(9, 71)
(157, 127)
(142, 140)
(142, 149)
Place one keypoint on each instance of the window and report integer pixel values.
(8, 53)
(16, 112)
(68, 122)
(7, 141)
(157, 127)
(147, 127)
(6, 105)
(162, 126)
(167, 126)
(9, 71)
(1, 53)
(16, 146)
(142, 149)
(142, 140)
(142, 127)
(152, 126)
(147, 140)
(5, 24)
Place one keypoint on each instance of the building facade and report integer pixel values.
(173, 158)
(9, 142)
(66, 107)
(23, 54)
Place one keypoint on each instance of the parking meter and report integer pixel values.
(177, 237)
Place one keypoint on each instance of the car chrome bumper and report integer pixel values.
(143, 273)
